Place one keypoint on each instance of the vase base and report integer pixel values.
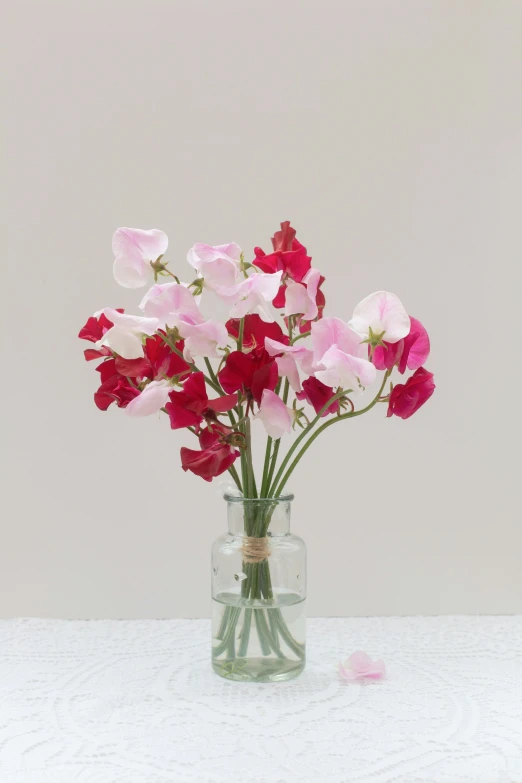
(258, 669)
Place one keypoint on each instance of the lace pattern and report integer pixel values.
(110, 701)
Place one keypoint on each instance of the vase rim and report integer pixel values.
(240, 499)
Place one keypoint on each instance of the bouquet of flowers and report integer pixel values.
(149, 361)
(277, 358)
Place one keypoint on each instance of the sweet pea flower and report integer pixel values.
(114, 387)
(216, 455)
(276, 417)
(410, 352)
(151, 400)
(339, 357)
(289, 256)
(317, 395)
(407, 398)
(218, 265)
(160, 364)
(251, 372)
(289, 358)
(188, 408)
(254, 332)
(380, 315)
(300, 298)
(251, 295)
(360, 666)
(203, 339)
(125, 336)
(135, 250)
(93, 331)
(171, 303)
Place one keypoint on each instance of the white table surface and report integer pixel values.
(113, 701)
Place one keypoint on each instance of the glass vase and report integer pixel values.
(258, 593)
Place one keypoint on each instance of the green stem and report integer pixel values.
(298, 440)
(218, 387)
(250, 487)
(245, 633)
(349, 415)
(233, 472)
(266, 467)
(300, 337)
(262, 633)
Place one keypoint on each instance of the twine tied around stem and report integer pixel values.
(255, 550)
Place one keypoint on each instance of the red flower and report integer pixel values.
(410, 352)
(164, 363)
(216, 455)
(114, 387)
(317, 394)
(289, 255)
(254, 332)
(189, 407)
(159, 361)
(93, 331)
(251, 372)
(406, 398)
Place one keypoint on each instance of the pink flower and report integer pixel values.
(301, 297)
(407, 398)
(274, 414)
(360, 666)
(125, 336)
(289, 357)
(410, 352)
(171, 303)
(339, 357)
(151, 400)
(380, 315)
(203, 339)
(218, 265)
(134, 251)
(251, 295)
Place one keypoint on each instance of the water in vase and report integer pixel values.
(259, 640)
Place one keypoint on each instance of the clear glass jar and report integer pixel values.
(258, 593)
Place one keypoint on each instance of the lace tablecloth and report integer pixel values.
(110, 701)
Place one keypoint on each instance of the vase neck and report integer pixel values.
(259, 518)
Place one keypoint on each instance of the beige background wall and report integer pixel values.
(389, 132)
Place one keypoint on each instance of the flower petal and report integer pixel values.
(123, 342)
(134, 249)
(360, 666)
(383, 313)
(218, 264)
(203, 339)
(274, 414)
(287, 367)
(169, 302)
(344, 370)
(151, 400)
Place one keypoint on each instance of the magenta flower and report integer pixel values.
(410, 352)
